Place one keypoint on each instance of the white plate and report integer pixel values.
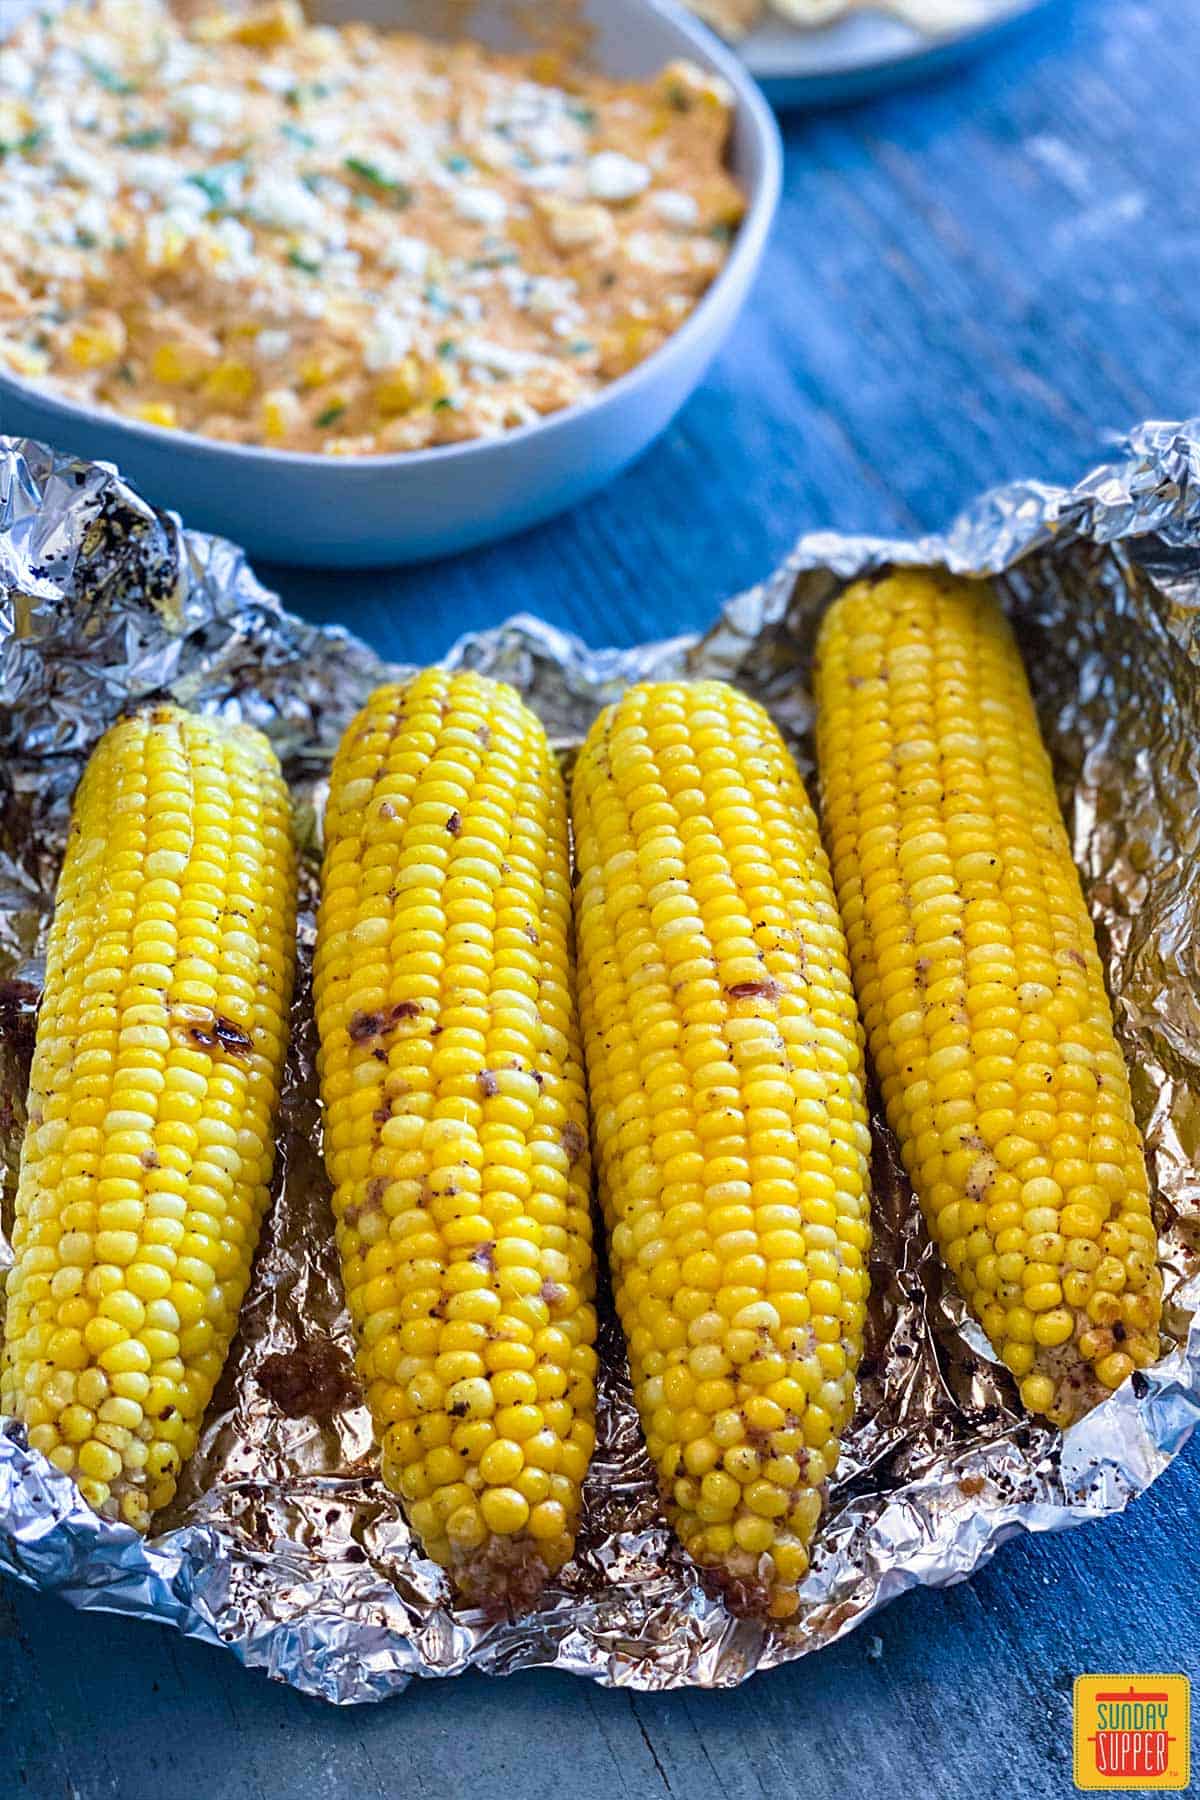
(356, 512)
(865, 52)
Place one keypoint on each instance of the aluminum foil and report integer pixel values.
(283, 1544)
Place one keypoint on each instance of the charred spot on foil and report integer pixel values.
(354, 1553)
(971, 1485)
(488, 1085)
(454, 823)
(18, 1007)
(754, 990)
(311, 1381)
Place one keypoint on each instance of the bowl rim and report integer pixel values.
(751, 108)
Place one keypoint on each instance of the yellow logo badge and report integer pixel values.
(1133, 1731)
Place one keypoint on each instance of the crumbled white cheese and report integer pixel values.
(498, 359)
(481, 205)
(389, 343)
(614, 176)
(273, 344)
(282, 202)
(274, 78)
(409, 255)
(15, 73)
(238, 246)
(200, 100)
(85, 171)
(549, 294)
(675, 208)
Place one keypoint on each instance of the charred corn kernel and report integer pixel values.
(456, 1122)
(231, 383)
(157, 412)
(168, 980)
(725, 1068)
(95, 345)
(980, 983)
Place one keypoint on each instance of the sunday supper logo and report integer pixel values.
(1132, 1731)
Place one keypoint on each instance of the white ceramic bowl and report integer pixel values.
(357, 512)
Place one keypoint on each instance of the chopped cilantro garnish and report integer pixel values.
(436, 301)
(296, 134)
(22, 145)
(108, 78)
(305, 91)
(495, 259)
(87, 240)
(580, 346)
(447, 348)
(583, 115)
(678, 97)
(722, 232)
(398, 191)
(125, 373)
(330, 416)
(298, 260)
(144, 140)
(458, 164)
(215, 183)
(447, 403)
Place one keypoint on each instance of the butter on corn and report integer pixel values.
(980, 984)
(456, 1122)
(724, 1059)
(147, 1159)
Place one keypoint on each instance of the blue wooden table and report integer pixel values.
(983, 279)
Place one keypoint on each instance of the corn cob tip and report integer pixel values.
(503, 1580)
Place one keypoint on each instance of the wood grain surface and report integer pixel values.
(987, 278)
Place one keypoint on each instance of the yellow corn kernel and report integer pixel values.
(979, 981)
(282, 22)
(320, 367)
(177, 363)
(168, 980)
(399, 389)
(157, 412)
(456, 1121)
(25, 359)
(725, 1073)
(282, 414)
(231, 383)
(98, 342)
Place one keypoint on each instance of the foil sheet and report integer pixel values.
(283, 1544)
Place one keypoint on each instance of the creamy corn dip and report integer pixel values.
(272, 232)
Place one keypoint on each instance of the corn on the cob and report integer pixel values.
(724, 1059)
(148, 1154)
(980, 984)
(456, 1122)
